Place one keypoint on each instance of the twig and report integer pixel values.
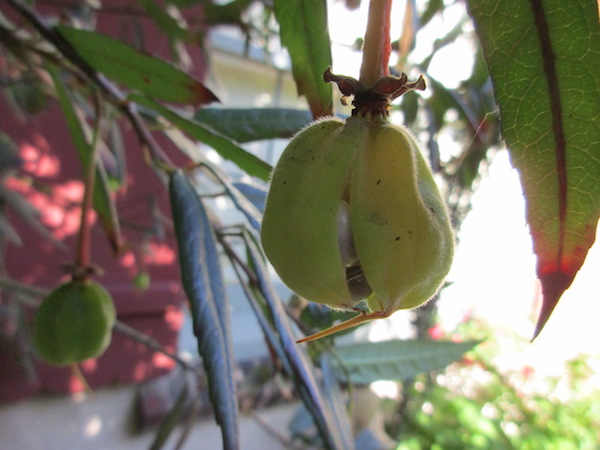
(142, 338)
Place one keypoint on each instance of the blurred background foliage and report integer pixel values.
(47, 58)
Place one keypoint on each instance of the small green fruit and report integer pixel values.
(142, 281)
(74, 323)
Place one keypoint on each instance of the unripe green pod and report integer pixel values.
(74, 323)
(353, 213)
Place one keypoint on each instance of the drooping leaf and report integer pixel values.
(223, 145)
(337, 402)
(544, 59)
(204, 286)
(103, 202)
(302, 368)
(397, 360)
(303, 30)
(246, 125)
(136, 70)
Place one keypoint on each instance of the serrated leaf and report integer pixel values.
(396, 360)
(103, 202)
(204, 286)
(247, 125)
(223, 145)
(303, 30)
(544, 59)
(134, 69)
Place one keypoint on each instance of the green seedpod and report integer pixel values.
(74, 323)
(354, 213)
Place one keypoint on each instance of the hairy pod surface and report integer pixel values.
(354, 213)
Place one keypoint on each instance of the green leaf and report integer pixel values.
(103, 202)
(246, 125)
(224, 146)
(204, 286)
(336, 401)
(396, 360)
(303, 30)
(301, 368)
(544, 59)
(134, 69)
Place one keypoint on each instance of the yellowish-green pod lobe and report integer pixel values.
(400, 226)
(354, 213)
(299, 228)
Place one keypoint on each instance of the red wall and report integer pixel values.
(50, 159)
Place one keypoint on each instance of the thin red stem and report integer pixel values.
(82, 256)
(377, 47)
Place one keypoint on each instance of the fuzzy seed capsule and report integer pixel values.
(354, 214)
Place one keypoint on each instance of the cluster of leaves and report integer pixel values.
(96, 92)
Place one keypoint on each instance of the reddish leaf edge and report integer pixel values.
(556, 282)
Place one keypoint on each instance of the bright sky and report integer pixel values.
(494, 271)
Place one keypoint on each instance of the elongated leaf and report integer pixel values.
(204, 286)
(136, 70)
(337, 402)
(544, 58)
(227, 148)
(246, 125)
(302, 368)
(303, 30)
(397, 360)
(103, 202)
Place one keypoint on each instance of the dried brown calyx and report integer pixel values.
(377, 98)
